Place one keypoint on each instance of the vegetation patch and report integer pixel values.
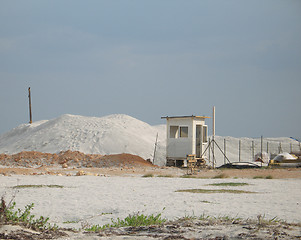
(8, 215)
(230, 184)
(148, 175)
(214, 191)
(38, 186)
(262, 177)
(135, 220)
(188, 176)
(221, 175)
(165, 176)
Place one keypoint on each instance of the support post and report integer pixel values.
(30, 114)
(213, 135)
(239, 149)
(155, 149)
(253, 154)
(224, 150)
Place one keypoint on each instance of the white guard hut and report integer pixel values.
(186, 135)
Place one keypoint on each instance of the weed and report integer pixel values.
(214, 191)
(230, 184)
(165, 176)
(261, 177)
(38, 186)
(188, 176)
(134, 220)
(262, 221)
(9, 215)
(148, 175)
(221, 175)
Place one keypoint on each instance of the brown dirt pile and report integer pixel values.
(72, 159)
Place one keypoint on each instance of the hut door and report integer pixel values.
(198, 141)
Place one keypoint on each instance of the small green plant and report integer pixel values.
(261, 177)
(38, 186)
(214, 191)
(148, 175)
(257, 177)
(9, 215)
(165, 176)
(221, 175)
(188, 176)
(262, 221)
(230, 184)
(134, 220)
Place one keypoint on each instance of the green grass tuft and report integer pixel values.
(262, 177)
(11, 216)
(148, 175)
(135, 220)
(214, 191)
(165, 176)
(38, 186)
(221, 175)
(188, 176)
(230, 184)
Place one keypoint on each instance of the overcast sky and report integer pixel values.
(154, 58)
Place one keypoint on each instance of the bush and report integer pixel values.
(9, 215)
(135, 220)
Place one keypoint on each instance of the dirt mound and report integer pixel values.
(72, 159)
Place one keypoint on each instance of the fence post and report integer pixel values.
(224, 150)
(239, 146)
(267, 147)
(291, 148)
(253, 156)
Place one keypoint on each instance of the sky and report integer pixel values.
(154, 58)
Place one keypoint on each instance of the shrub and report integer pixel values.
(148, 175)
(135, 220)
(9, 215)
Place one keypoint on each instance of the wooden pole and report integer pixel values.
(225, 150)
(155, 149)
(213, 135)
(30, 114)
(239, 149)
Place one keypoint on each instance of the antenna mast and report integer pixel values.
(30, 115)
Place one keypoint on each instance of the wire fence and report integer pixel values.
(248, 150)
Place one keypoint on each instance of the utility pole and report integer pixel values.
(30, 115)
(155, 149)
(213, 136)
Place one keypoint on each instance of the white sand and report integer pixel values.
(116, 134)
(95, 200)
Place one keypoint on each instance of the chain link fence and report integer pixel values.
(229, 149)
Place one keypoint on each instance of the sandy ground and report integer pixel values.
(274, 173)
(88, 200)
(95, 195)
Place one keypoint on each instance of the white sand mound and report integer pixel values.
(112, 134)
(119, 133)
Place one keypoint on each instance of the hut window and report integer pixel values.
(183, 132)
(174, 131)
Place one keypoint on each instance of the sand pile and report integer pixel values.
(69, 158)
(113, 134)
